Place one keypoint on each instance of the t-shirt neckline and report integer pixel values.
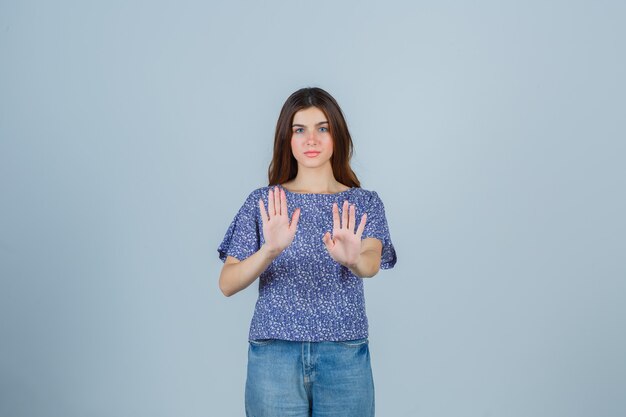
(315, 194)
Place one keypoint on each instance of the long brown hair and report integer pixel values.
(284, 166)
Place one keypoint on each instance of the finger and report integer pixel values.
(328, 242)
(277, 200)
(283, 202)
(336, 224)
(344, 215)
(295, 217)
(361, 228)
(351, 218)
(262, 210)
(271, 212)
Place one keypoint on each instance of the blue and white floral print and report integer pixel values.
(304, 295)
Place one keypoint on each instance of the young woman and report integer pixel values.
(310, 237)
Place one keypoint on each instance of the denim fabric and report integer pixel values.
(309, 379)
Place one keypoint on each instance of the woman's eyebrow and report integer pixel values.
(316, 124)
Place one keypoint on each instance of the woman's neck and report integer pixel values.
(316, 182)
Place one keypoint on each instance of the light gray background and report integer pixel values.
(131, 132)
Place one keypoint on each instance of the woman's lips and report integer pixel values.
(312, 154)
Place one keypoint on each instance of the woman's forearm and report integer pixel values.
(368, 264)
(237, 275)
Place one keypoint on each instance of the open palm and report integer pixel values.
(278, 232)
(344, 245)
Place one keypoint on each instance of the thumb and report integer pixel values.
(328, 242)
(294, 219)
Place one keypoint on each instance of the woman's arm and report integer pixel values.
(278, 233)
(237, 275)
(368, 263)
(345, 246)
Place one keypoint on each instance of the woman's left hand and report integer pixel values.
(345, 245)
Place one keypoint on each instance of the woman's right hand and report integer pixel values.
(277, 231)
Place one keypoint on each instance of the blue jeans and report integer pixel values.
(302, 379)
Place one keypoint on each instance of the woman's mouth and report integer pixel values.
(312, 154)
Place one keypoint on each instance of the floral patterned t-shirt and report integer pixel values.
(304, 295)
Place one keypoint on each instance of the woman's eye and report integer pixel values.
(323, 129)
(299, 130)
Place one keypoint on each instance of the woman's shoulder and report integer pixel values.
(257, 193)
(364, 194)
(260, 190)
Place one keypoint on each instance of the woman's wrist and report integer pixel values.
(365, 266)
(269, 252)
(354, 266)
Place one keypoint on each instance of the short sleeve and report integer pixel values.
(242, 237)
(376, 227)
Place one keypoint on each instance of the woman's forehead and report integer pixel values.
(309, 116)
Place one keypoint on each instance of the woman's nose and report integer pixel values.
(312, 137)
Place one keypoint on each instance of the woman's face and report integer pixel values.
(311, 143)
